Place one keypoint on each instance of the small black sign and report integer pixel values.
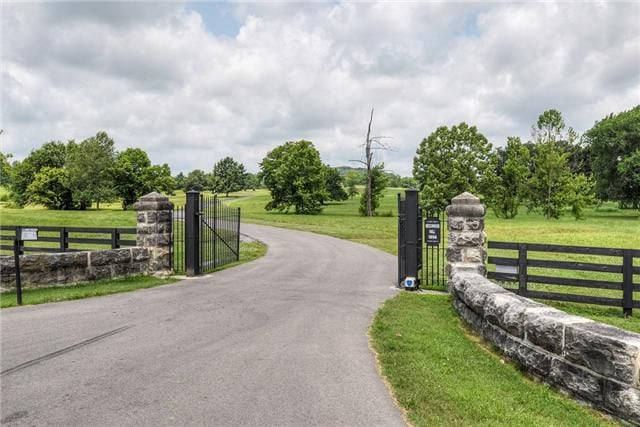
(432, 231)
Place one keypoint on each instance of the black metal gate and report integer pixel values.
(434, 273)
(206, 235)
(422, 259)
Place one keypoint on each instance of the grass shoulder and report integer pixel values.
(248, 252)
(442, 377)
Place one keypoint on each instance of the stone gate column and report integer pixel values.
(153, 230)
(466, 241)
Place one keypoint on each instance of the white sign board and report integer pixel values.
(29, 234)
(506, 269)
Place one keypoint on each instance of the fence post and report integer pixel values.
(627, 282)
(17, 249)
(238, 237)
(153, 230)
(64, 239)
(413, 232)
(115, 236)
(522, 269)
(192, 233)
(465, 225)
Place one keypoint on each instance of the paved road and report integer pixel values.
(279, 341)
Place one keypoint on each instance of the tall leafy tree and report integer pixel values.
(552, 185)
(89, 165)
(50, 188)
(5, 169)
(52, 154)
(506, 184)
(293, 173)
(352, 179)
(251, 181)
(229, 176)
(449, 162)
(333, 184)
(134, 176)
(612, 141)
(378, 183)
(179, 180)
(197, 180)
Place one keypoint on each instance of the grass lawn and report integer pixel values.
(444, 377)
(83, 290)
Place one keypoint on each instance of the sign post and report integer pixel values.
(22, 234)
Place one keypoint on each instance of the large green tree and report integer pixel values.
(52, 154)
(134, 176)
(5, 169)
(229, 176)
(449, 162)
(552, 185)
(293, 173)
(333, 184)
(89, 168)
(506, 183)
(612, 142)
(378, 183)
(50, 188)
(197, 180)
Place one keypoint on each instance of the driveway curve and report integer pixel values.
(278, 341)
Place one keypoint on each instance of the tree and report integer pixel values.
(548, 186)
(629, 172)
(229, 176)
(50, 188)
(612, 141)
(552, 185)
(251, 181)
(134, 176)
(197, 180)
(353, 178)
(506, 182)
(449, 162)
(378, 184)
(88, 167)
(180, 181)
(5, 169)
(371, 144)
(293, 174)
(52, 154)
(333, 184)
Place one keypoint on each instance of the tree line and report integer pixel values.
(77, 175)
(556, 171)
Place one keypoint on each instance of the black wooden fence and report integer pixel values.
(67, 239)
(515, 270)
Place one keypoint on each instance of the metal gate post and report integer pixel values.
(192, 234)
(414, 232)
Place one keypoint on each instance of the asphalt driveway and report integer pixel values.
(279, 341)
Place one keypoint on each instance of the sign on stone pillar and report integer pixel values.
(153, 230)
(465, 224)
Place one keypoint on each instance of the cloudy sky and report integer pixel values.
(193, 82)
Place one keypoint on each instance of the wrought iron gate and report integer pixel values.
(206, 235)
(422, 259)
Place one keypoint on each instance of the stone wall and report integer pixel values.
(152, 255)
(42, 270)
(596, 363)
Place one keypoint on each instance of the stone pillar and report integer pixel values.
(153, 230)
(466, 250)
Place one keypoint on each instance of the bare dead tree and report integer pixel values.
(371, 144)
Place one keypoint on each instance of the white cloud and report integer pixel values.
(153, 75)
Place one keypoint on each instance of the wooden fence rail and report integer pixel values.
(516, 270)
(66, 236)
